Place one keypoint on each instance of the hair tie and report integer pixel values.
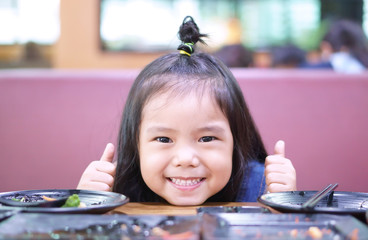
(184, 52)
(186, 48)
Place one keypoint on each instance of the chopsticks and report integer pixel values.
(312, 202)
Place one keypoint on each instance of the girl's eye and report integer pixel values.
(163, 139)
(207, 139)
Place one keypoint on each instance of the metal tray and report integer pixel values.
(202, 226)
(96, 201)
(282, 226)
(4, 214)
(233, 209)
(92, 226)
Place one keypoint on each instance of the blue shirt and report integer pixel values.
(253, 184)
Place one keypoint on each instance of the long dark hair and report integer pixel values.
(180, 73)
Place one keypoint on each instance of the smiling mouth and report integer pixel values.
(186, 182)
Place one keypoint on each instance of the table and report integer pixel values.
(135, 208)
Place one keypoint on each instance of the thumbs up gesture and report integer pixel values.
(99, 175)
(279, 171)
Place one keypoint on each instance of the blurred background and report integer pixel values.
(105, 34)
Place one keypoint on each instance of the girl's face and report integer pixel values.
(185, 148)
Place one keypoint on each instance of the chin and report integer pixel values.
(186, 201)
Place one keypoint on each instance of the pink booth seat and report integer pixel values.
(53, 123)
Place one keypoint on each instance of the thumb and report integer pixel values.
(108, 154)
(280, 148)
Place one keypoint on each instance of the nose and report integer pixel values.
(185, 156)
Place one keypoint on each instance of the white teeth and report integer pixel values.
(183, 182)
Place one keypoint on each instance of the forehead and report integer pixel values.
(169, 87)
(165, 91)
(172, 99)
(185, 114)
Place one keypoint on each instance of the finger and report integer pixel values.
(108, 154)
(103, 178)
(276, 159)
(277, 187)
(92, 175)
(105, 167)
(284, 166)
(281, 178)
(276, 168)
(96, 186)
(280, 148)
(286, 179)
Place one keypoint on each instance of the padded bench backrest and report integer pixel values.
(54, 122)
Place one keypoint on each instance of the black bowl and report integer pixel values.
(346, 203)
(95, 201)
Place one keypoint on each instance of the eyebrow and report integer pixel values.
(210, 128)
(213, 128)
(159, 129)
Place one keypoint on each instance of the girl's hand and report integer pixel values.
(99, 175)
(279, 171)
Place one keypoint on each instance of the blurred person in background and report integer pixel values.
(344, 48)
(288, 56)
(235, 55)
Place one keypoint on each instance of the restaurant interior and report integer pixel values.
(90, 34)
(66, 68)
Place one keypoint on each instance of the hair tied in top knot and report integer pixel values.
(189, 35)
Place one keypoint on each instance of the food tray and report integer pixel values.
(92, 226)
(233, 209)
(202, 226)
(282, 226)
(4, 214)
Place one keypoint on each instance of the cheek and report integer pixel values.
(152, 163)
(152, 170)
(223, 169)
(226, 166)
(220, 165)
(147, 170)
(145, 162)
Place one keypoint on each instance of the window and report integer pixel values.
(24, 21)
(151, 25)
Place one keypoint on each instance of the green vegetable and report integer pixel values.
(72, 201)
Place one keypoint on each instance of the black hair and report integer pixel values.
(288, 55)
(348, 34)
(180, 74)
(235, 56)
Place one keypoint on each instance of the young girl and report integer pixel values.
(187, 136)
